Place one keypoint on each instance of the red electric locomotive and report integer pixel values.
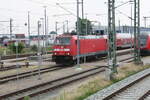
(145, 42)
(65, 47)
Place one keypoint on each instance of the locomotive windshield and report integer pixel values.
(62, 41)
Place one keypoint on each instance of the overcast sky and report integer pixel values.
(17, 10)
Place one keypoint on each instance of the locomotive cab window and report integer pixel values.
(62, 41)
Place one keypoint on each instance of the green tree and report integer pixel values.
(84, 26)
(13, 47)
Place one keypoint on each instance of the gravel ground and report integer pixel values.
(31, 81)
(146, 60)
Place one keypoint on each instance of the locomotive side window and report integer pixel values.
(62, 41)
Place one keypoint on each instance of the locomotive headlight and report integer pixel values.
(66, 49)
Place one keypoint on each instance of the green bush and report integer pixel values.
(13, 47)
(26, 98)
(34, 48)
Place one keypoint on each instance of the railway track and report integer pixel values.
(53, 84)
(12, 59)
(139, 89)
(19, 56)
(36, 72)
(12, 67)
(5, 68)
(41, 88)
(29, 73)
(146, 96)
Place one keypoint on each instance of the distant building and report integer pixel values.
(5, 39)
(50, 39)
(20, 36)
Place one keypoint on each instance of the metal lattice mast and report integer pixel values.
(137, 57)
(111, 37)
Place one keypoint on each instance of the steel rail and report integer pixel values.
(5, 68)
(44, 87)
(125, 87)
(29, 73)
(44, 70)
(145, 95)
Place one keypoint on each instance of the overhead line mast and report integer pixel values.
(111, 38)
(137, 57)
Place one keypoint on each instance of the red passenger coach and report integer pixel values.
(65, 48)
(145, 42)
(123, 40)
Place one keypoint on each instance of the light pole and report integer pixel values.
(78, 41)
(145, 20)
(82, 9)
(45, 17)
(67, 26)
(42, 19)
(39, 51)
(29, 27)
(17, 66)
(64, 27)
(11, 28)
(56, 26)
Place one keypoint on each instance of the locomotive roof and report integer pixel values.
(146, 33)
(90, 37)
(83, 37)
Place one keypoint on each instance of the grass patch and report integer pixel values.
(99, 83)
